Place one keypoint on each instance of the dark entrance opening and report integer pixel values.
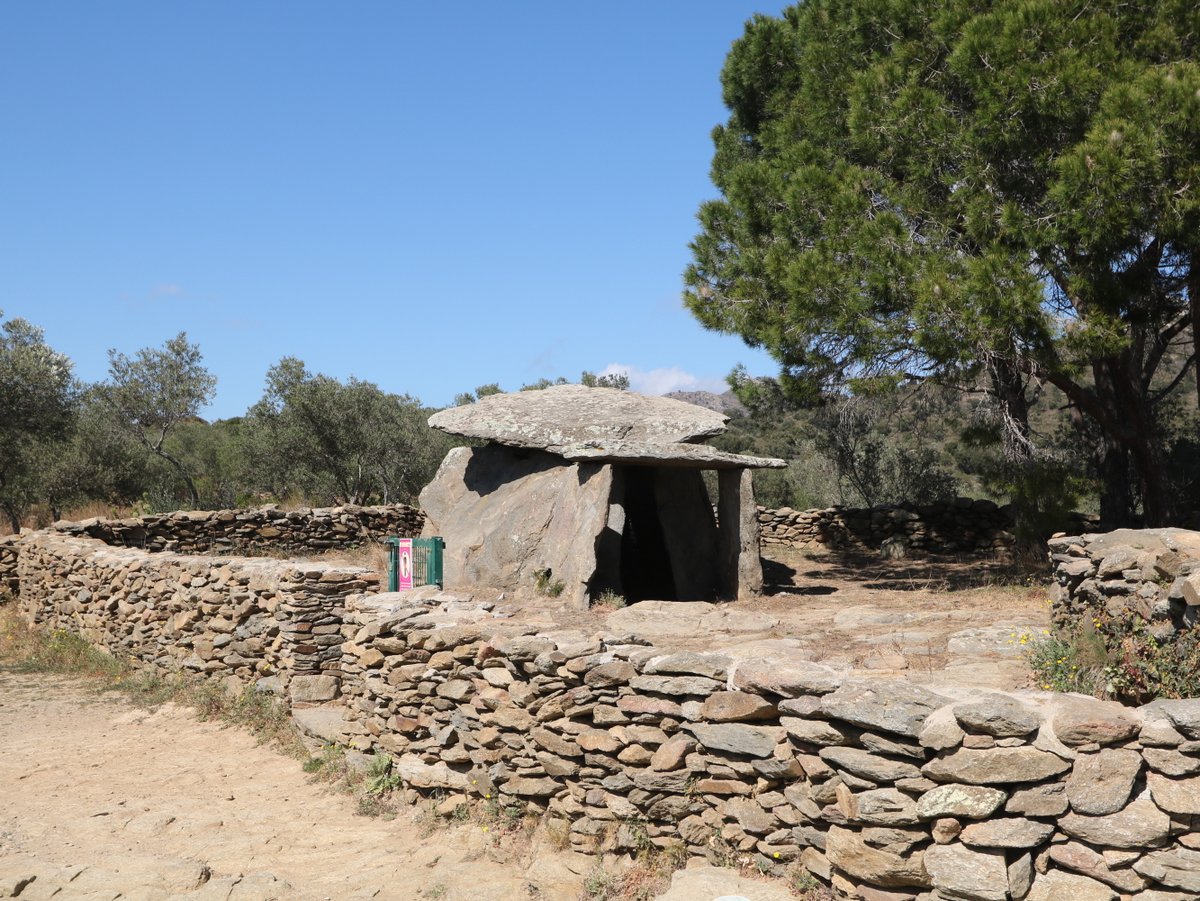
(645, 561)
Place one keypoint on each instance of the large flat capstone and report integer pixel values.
(571, 415)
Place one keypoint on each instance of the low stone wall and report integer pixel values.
(962, 526)
(9, 584)
(228, 617)
(885, 789)
(1150, 574)
(299, 531)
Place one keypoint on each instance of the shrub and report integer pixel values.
(1115, 657)
(545, 583)
(614, 600)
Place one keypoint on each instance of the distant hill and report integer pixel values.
(726, 403)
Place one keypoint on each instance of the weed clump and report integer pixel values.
(1115, 656)
(613, 600)
(546, 585)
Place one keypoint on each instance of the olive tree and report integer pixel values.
(37, 403)
(155, 391)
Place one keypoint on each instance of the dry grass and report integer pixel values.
(40, 516)
(29, 650)
(372, 556)
(24, 648)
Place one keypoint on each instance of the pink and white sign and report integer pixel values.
(404, 564)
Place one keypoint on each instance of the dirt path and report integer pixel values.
(103, 800)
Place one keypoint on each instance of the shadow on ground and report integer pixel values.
(827, 572)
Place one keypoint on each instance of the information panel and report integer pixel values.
(404, 564)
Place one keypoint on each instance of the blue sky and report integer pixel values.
(427, 196)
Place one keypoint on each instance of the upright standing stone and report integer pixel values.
(741, 566)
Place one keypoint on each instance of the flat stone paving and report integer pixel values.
(937, 622)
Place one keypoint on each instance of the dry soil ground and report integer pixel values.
(100, 799)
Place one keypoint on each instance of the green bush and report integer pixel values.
(1115, 657)
(1065, 661)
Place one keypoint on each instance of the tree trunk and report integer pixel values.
(1194, 301)
(193, 494)
(1008, 387)
(1116, 492)
(1130, 443)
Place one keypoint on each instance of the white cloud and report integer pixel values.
(162, 292)
(166, 289)
(664, 380)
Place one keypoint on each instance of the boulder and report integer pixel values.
(1179, 796)
(998, 715)
(1079, 721)
(1101, 783)
(1007, 832)
(313, 689)
(505, 515)
(789, 678)
(1184, 714)
(867, 765)
(1178, 868)
(1139, 825)
(1058, 886)
(881, 807)
(1049, 800)
(736, 706)
(995, 766)
(971, 801)
(1082, 859)
(847, 851)
(753, 741)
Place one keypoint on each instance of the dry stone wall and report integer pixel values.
(306, 530)
(247, 618)
(1151, 575)
(885, 789)
(961, 526)
(9, 585)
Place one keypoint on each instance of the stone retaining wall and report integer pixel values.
(301, 531)
(248, 618)
(1152, 575)
(9, 585)
(961, 526)
(887, 790)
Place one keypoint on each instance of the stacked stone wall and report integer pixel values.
(961, 526)
(1149, 575)
(9, 583)
(302, 531)
(249, 618)
(885, 789)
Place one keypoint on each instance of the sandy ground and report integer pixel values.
(102, 800)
